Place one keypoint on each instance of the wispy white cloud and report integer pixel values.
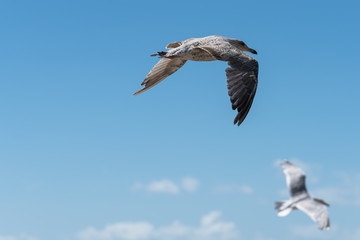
(246, 189)
(233, 188)
(158, 186)
(173, 231)
(22, 236)
(311, 232)
(345, 192)
(165, 186)
(187, 184)
(335, 233)
(352, 235)
(120, 230)
(137, 187)
(211, 228)
(260, 236)
(284, 193)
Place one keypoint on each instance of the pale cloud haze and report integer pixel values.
(211, 227)
(187, 184)
(233, 188)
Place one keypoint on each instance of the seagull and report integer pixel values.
(242, 75)
(300, 199)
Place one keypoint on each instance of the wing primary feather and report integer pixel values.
(241, 83)
(164, 68)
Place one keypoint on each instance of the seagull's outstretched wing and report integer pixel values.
(164, 68)
(295, 180)
(316, 211)
(242, 80)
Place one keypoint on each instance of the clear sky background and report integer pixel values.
(83, 159)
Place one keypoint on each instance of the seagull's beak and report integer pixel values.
(252, 51)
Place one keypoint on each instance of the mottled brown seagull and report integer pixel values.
(242, 75)
(300, 198)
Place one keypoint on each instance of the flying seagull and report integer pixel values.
(300, 198)
(242, 75)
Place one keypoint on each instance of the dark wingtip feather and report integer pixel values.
(238, 119)
(241, 84)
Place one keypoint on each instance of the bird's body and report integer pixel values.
(300, 198)
(241, 76)
(205, 49)
(191, 50)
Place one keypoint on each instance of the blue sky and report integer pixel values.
(83, 159)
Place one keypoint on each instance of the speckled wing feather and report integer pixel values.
(164, 68)
(316, 211)
(295, 180)
(242, 79)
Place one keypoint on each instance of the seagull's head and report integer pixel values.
(243, 47)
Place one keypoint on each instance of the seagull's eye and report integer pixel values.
(242, 43)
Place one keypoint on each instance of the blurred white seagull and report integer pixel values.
(300, 198)
(242, 75)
